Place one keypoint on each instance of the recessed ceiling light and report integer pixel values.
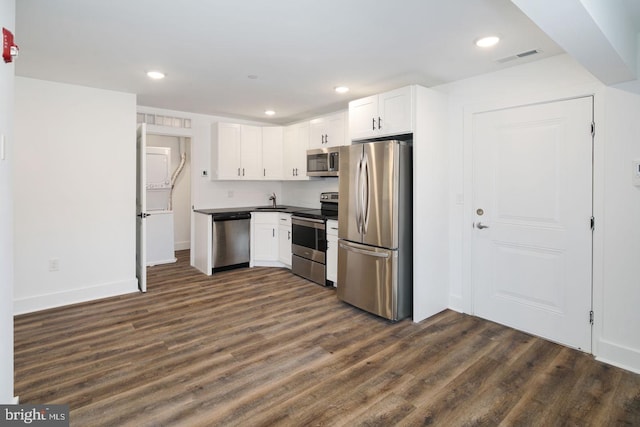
(341, 89)
(487, 41)
(155, 75)
(270, 112)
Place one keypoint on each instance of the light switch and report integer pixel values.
(636, 172)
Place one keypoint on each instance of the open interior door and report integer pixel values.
(141, 207)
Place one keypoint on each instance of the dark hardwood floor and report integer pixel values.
(262, 347)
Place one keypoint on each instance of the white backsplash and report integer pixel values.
(306, 193)
(234, 194)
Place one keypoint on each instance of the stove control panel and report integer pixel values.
(329, 197)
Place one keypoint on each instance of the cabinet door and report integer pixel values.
(251, 152)
(363, 116)
(265, 242)
(272, 140)
(284, 245)
(335, 129)
(225, 151)
(317, 132)
(395, 111)
(264, 238)
(296, 142)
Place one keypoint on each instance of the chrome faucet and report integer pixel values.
(272, 199)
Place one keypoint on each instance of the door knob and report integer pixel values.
(481, 226)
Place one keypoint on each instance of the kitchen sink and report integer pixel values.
(271, 208)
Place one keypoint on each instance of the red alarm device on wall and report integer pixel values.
(9, 48)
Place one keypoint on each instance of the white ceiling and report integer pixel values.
(299, 49)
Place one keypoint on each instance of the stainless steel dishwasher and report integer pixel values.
(230, 244)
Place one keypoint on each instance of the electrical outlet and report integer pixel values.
(54, 264)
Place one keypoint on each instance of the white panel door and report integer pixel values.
(532, 201)
(141, 207)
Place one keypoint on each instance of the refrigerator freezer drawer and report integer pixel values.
(368, 279)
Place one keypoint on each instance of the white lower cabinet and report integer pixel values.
(284, 239)
(264, 239)
(332, 251)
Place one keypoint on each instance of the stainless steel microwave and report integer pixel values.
(323, 161)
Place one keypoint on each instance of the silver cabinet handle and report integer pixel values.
(481, 226)
(379, 120)
(373, 125)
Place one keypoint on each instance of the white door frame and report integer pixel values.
(465, 301)
(180, 133)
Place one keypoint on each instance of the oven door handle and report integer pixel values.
(301, 220)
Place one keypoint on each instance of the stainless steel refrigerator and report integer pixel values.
(375, 246)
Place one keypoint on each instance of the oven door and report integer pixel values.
(309, 238)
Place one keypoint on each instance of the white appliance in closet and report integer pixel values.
(160, 240)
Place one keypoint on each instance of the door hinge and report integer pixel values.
(593, 129)
(591, 317)
(593, 223)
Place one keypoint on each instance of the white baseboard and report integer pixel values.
(164, 261)
(181, 246)
(618, 355)
(73, 296)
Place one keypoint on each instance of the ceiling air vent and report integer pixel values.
(519, 55)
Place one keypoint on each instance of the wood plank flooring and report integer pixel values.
(262, 347)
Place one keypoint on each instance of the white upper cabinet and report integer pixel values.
(272, 146)
(294, 156)
(236, 151)
(328, 131)
(225, 151)
(251, 152)
(386, 114)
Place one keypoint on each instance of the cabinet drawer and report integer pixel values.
(284, 219)
(265, 217)
(332, 227)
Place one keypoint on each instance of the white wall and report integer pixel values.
(553, 78)
(616, 201)
(617, 288)
(7, 20)
(74, 188)
(430, 209)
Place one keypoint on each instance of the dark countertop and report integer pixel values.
(250, 209)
